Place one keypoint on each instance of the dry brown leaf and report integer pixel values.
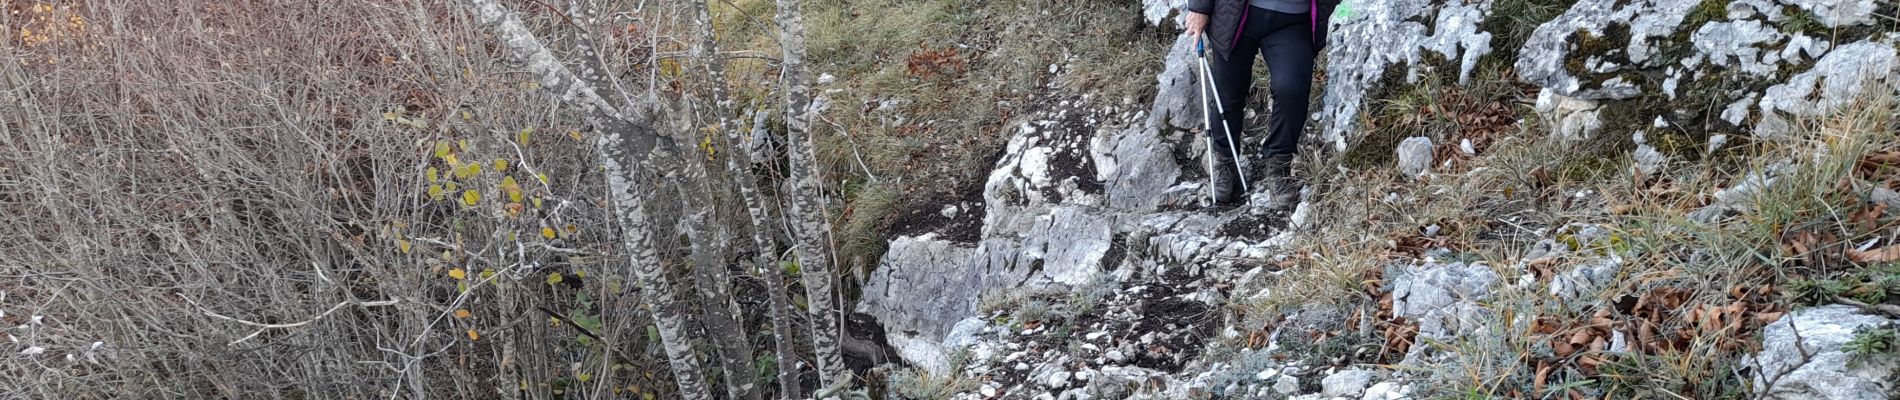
(1543, 376)
(1880, 255)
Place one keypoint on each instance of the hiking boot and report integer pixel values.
(1225, 179)
(1284, 189)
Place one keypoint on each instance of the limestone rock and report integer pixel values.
(1836, 79)
(1348, 383)
(924, 288)
(1441, 297)
(1784, 372)
(1379, 35)
(1415, 156)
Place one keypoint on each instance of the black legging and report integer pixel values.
(1285, 40)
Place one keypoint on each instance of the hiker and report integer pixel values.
(1288, 34)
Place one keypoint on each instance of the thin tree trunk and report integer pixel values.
(763, 221)
(720, 313)
(630, 151)
(738, 162)
(810, 229)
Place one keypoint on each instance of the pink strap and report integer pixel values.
(1241, 28)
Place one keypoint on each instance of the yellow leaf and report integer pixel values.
(435, 192)
(458, 273)
(488, 273)
(501, 164)
(554, 277)
(403, 244)
(574, 134)
(464, 143)
(468, 170)
(547, 232)
(451, 186)
(537, 203)
(581, 274)
(552, 321)
(542, 177)
(467, 116)
(584, 377)
(470, 197)
(452, 160)
(526, 133)
(472, 336)
(572, 229)
(441, 149)
(433, 174)
(462, 313)
(513, 189)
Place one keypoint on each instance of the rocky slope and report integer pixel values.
(1089, 269)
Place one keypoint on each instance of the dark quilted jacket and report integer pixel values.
(1225, 17)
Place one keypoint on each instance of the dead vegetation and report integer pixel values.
(301, 200)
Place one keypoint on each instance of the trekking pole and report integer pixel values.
(1207, 123)
(1233, 146)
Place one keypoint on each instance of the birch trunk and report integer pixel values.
(811, 232)
(738, 164)
(630, 150)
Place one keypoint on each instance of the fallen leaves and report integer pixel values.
(1661, 321)
(1880, 255)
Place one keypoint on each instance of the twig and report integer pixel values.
(1888, 309)
(261, 327)
(577, 327)
(854, 147)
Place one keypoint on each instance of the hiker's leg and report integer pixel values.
(1232, 79)
(1289, 53)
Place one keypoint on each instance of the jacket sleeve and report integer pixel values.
(1205, 7)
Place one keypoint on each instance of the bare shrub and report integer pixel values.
(206, 199)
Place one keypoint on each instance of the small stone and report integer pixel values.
(949, 211)
(1886, 196)
(1022, 366)
(1415, 155)
(987, 391)
(1287, 385)
(1346, 383)
(1116, 355)
(1381, 391)
(1093, 336)
(1716, 142)
(1266, 374)
(1060, 379)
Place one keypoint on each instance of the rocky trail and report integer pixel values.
(1088, 268)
